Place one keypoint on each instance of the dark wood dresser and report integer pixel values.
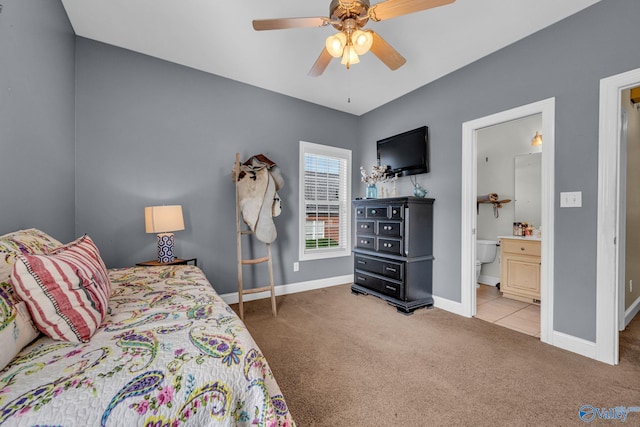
(393, 251)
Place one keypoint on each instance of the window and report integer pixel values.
(325, 197)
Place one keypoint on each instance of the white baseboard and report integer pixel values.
(574, 344)
(448, 305)
(292, 288)
(488, 280)
(631, 312)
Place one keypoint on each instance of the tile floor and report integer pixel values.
(492, 307)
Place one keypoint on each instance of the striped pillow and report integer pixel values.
(67, 291)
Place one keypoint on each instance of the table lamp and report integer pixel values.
(164, 220)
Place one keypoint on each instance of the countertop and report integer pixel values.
(520, 238)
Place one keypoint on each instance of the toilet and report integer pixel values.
(485, 253)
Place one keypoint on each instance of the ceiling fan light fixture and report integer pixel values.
(335, 44)
(349, 57)
(362, 41)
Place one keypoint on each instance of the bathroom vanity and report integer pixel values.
(520, 268)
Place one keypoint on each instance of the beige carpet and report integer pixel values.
(347, 360)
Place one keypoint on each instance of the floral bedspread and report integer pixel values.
(170, 353)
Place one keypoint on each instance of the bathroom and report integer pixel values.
(509, 176)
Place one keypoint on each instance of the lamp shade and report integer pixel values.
(349, 57)
(335, 44)
(163, 219)
(362, 41)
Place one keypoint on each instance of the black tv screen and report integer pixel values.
(406, 153)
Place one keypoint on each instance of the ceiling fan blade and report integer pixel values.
(386, 53)
(320, 64)
(392, 8)
(286, 23)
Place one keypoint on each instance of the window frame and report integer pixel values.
(334, 152)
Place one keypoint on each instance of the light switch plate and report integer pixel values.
(571, 199)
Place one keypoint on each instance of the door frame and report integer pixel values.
(545, 107)
(608, 280)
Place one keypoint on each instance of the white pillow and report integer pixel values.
(16, 328)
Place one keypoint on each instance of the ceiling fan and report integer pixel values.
(349, 17)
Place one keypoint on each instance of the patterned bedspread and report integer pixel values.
(170, 353)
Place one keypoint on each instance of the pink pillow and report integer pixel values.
(67, 291)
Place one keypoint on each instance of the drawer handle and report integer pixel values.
(364, 226)
(391, 269)
(362, 279)
(373, 211)
(362, 262)
(395, 211)
(522, 249)
(388, 227)
(387, 245)
(364, 242)
(391, 288)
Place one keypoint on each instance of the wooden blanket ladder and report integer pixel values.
(242, 262)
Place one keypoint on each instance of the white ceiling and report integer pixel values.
(217, 37)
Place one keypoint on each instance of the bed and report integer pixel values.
(168, 352)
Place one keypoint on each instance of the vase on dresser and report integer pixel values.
(372, 191)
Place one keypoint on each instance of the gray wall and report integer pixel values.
(565, 61)
(151, 132)
(36, 118)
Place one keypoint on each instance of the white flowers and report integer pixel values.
(378, 174)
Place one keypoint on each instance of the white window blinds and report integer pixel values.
(325, 200)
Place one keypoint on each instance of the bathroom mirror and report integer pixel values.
(528, 176)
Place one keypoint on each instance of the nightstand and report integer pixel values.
(177, 261)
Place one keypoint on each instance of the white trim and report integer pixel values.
(631, 312)
(607, 277)
(448, 305)
(488, 280)
(292, 288)
(468, 214)
(574, 344)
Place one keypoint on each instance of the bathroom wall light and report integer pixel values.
(537, 140)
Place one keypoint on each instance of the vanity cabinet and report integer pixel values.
(520, 269)
(393, 251)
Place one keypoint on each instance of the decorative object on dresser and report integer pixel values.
(164, 220)
(393, 251)
(520, 268)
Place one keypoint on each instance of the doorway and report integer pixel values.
(509, 169)
(610, 281)
(469, 208)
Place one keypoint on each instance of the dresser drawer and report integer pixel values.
(361, 212)
(391, 246)
(377, 212)
(389, 228)
(366, 242)
(392, 289)
(377, 284)
(396, 211)
(393, 270)
(365, 227)
(521, 247)
(368, 281)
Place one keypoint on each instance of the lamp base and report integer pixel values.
(165, 247)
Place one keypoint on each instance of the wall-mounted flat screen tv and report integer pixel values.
(406, 153)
